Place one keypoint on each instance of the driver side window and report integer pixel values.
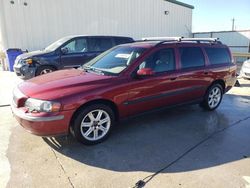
(160, 61)
(76, 46)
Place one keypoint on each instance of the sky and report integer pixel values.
(217, 15)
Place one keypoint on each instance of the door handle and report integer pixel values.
(173, 78)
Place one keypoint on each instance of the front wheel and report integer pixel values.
(93, 124)
(44, 70)
(213, 97)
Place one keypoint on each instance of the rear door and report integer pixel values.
(194, 73)
(75, 52)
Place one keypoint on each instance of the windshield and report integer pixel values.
(56, 44)
(115, 60)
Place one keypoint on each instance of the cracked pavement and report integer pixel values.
(205, 149)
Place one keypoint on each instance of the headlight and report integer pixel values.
(17, 60)
(28, 61)
(35, 105)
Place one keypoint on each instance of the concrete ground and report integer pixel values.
(191, 147)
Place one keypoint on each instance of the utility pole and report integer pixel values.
(233, 20)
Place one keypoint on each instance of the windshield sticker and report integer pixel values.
(125, 56)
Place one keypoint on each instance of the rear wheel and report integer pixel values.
(213, 97)
(44, 70)
(93, 124)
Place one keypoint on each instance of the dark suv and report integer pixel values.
(68, 52)
(124, 81)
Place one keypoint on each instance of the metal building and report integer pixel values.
(33, 24)
(238, 41)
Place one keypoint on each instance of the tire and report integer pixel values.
(212, 97)
(44, 70)
(88, 129)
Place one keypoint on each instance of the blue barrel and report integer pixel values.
(11, 55)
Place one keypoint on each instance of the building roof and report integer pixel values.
(181, 4)
(228, 31)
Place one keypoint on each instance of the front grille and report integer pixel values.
(17, 69)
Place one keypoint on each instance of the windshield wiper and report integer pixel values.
(84, 67)
(92, 69)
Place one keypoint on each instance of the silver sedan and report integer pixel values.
(245, 69)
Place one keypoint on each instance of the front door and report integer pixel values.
(160, 89)
(75, 53)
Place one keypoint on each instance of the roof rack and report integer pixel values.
(201, 39)
(162, 38)
(180, 39)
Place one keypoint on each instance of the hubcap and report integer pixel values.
(95, 125)
(214, 97)
(45, 71)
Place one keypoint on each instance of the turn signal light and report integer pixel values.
(29, 61)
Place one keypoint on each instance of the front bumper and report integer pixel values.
(24, 71)
(42, 124)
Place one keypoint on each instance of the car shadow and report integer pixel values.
(150, 142)
(245, 85)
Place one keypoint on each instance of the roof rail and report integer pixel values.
(197, 40)
(162, 38)
(201, 39)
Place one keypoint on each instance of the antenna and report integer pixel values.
(233, 20)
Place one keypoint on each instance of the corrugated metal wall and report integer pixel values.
(238, 41)
(43, 21)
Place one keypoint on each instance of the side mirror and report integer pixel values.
(64, 50)
(145, 72)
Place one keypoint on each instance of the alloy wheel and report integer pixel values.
(214, 97)
(95, 125)
(45, 71)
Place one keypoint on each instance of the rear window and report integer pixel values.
(191, 57)
(218, 55)
(122, 40)
(99, 44)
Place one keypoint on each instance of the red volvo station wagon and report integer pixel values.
(124, 81)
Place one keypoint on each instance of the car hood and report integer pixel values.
(32, 54)
(63, 83)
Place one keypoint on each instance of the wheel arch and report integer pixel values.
(204, 103)
(219, 81)
(107, 102)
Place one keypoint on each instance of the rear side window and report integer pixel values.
(99, 44)
(122, 40)
(218, 55)
(191, 57)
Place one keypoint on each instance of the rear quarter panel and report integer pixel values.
(225, 71)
